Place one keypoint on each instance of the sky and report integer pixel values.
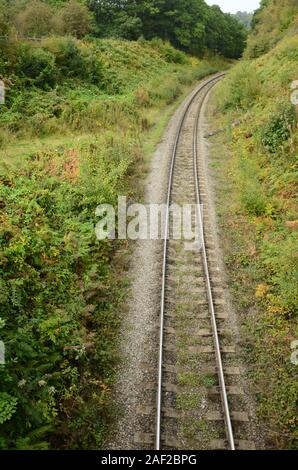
(232, 6)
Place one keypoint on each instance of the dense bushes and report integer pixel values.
(53, 61)
(37, 18)
(252, 196)
(75, 61)
(168, 52)
(59, 84)
(55, 66)
(241, 88)
(259, 92)
(36, 66)
(55, 296)
(279, 128)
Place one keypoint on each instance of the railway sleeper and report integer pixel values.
(240, 416)
(212, 370)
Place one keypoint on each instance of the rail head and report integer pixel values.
(201, 87)
(218, 355)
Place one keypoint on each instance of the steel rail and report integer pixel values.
(220, 370)
(164, 266)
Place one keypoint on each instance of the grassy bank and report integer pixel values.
(255, 162)
(72, 133)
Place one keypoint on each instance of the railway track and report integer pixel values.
(199, 397)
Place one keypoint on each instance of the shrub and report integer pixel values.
(242, 87)
(173, 55)
(252, 196)
(168, 52)
(8, 405)
(278, 129)
(74, 19)
(4, 20)
(253, 200)
(258, 49)
(35, 19)
(281, 262)
(37, 65)
(141, 96)
(70, 59)
(167, 90)
(93, 70)
(74, 61)
(56, 295)
(270, 24)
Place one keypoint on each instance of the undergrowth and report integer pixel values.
(271, 23)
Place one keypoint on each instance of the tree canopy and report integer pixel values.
(244, 18)
(190, 25)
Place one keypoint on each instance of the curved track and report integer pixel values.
(197, 401)
(229, 430)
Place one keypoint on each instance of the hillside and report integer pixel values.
(258, 211)
(270, 24)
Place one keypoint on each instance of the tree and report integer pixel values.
(190, 25)
(244, 18)
(4, 21)
(35, 19)
(74, 19)
(256, 16)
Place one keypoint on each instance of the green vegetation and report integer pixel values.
(279, 127)
(257, 178)
(190, 25)
(37, 18)
(61, 85)
(271, 22)
(188, 401)
(89, 87)
(244, 18)
(76, 116)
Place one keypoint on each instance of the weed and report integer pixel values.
(279, 128)
(208, 381)
(189, 378)
(241, 89)
(188, 401)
